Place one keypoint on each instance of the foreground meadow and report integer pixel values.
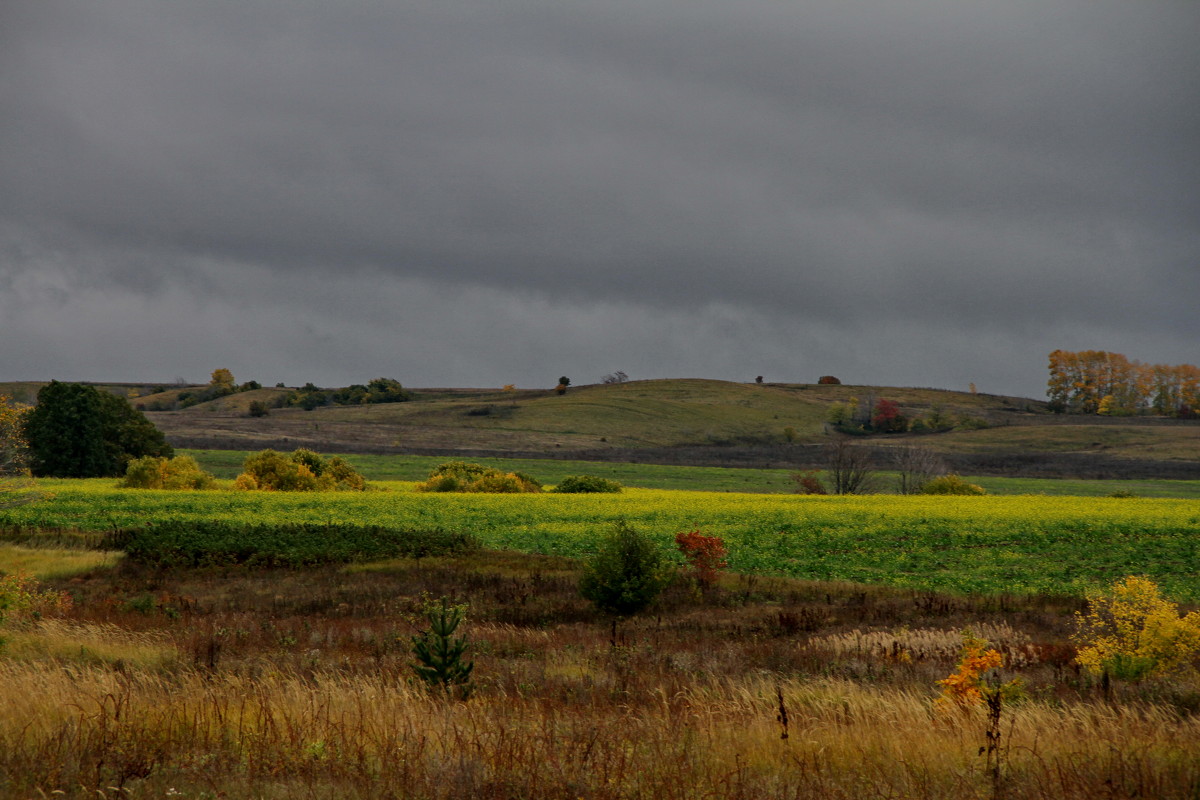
(991, 545)
(248, 683)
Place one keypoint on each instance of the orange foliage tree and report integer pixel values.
(1100, 382)
(967, 686)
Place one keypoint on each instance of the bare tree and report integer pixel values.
(915, 466)
(849, 467)
(615, 377)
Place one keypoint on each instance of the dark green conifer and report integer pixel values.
(439, 653)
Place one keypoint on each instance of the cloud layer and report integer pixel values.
(470, 193)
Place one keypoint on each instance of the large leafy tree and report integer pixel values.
(78, 431)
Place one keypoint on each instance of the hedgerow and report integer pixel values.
(201, 543)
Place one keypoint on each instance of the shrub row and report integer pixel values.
(198, 543)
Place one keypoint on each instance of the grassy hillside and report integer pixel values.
(26, 391)
(688, 421)
(638, 414)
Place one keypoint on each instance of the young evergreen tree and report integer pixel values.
(440, 662)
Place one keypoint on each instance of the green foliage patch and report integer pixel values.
(587, 484)
(626, 573)
(190, 543)
(228, 463)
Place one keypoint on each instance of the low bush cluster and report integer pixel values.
(886, 416)
(378, 390)
(587, 484)
(302, 471)
(22, 598)
(951, 484)
(155, 472)
(464, 476)
(808, 482)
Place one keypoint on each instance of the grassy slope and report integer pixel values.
(631, 415)
(655, 413)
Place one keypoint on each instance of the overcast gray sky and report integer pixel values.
(450, 193)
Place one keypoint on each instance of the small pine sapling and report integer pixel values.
(440, 662)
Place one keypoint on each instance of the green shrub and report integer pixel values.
(626, 573)
(951, 484)
(464, 476)
(178, 473)
(586, 484)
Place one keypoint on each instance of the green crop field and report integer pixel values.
(228, 463)
(991, 545)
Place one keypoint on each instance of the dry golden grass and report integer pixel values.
(60, 641)
(296, 683)
(49, 564)
(275, 733)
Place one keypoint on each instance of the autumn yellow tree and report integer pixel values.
(222, 379)
(16, 484)
(1131, 631)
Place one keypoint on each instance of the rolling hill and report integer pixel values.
(684, 421)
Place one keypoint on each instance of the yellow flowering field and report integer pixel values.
(985, 544)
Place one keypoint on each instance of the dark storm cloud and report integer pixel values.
(918, 192)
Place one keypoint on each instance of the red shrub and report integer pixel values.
(706, 554)
(887, 418)
(807, 482)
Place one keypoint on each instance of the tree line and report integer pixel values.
(1100, 382)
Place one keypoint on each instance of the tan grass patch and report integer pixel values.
(62, 641)
(329, 735)
(923, 643)
(56, 564)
